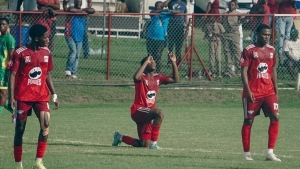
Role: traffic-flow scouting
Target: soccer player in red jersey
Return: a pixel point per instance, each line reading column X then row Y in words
column 260, row 90
column 143, row 110
column 29, row 86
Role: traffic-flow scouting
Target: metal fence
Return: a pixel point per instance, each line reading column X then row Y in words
column 208, row 48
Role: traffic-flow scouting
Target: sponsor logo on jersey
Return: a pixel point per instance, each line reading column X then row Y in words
column 34, row 76
column 27, row 59
column 255, row 55
column 46, row 58
column 10, row 63
column 262, row 71
column 151, row 95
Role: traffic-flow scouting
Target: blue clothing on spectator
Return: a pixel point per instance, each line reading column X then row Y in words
column 181, row 6
column 78, row 26
column 298, row 4
column 158, row 26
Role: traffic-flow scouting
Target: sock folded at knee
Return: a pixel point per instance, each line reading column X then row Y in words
column 18, row 153
column 273, row 134
column 155, row 133
column 41, row 149
column 246, row 133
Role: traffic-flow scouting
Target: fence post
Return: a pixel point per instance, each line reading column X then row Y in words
column 20, row 29
column 273, row 29
column 108, row 46
column 192, row 45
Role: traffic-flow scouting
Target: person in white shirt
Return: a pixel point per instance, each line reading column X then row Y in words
column 292, row 53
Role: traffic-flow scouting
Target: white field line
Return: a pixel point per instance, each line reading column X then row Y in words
column 168, row 149
column 217, row 88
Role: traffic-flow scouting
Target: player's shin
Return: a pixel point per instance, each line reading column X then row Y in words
column 18, row 154
column 246, row 133
column 130, row 141
column 154, row 134
column 273, row 134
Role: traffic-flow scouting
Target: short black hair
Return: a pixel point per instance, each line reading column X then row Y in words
column 144, row 60
column 37, row 30
column 157, row 2
column 4, row 19
column 261, row 27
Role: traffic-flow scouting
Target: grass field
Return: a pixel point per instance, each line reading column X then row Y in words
column 201, row 130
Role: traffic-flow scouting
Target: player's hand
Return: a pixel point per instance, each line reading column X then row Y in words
column 150, row 59
column 55, row 100
column 250, row 96
column 172, row 57
column 12, row 103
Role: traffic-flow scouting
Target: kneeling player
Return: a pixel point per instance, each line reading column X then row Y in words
column 147, row 117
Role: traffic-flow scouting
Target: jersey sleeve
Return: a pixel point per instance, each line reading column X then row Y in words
column 50, row 63
column 163, row 79
column 11, row 43
column 14, row 62
column 245, row 58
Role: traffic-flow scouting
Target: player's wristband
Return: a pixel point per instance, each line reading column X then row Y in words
column 54, row 98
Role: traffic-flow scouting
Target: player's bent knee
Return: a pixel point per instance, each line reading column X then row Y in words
column 248, row 121
column 160, row 114
column 44, row 120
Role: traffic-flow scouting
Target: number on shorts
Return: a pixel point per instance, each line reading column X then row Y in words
column 275, row 106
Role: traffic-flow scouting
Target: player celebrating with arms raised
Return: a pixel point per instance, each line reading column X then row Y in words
column 29, row 86
column 143, row 110
column 260, row 90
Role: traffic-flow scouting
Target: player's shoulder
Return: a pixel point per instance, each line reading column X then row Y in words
column 45, row 49
column 249, row 47
column 270, row 47
column 21, row 50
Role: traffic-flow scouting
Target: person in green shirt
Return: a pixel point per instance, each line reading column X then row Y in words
column 7, row 47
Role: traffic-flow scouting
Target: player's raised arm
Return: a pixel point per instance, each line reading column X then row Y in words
column 137, row 76
column 175, row 76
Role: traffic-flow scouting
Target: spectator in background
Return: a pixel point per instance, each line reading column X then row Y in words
column 231, row 40
column 292, row 52
column 121, row 6
column 240, row 28
column 86, row 4
column 213, row 7
column 285, row 24
column 260, row 8
column 213, row 31
column 74, row 34
column 157, row 33
column 48, row 7
column 28, row 5
column 176, row 26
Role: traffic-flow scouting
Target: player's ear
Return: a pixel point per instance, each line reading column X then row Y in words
column 36, row 39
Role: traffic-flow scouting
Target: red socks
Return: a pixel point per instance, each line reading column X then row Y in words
column 128, row 140
column 273, row 134
column 155, row 132
column 18, row 153
column 41, row 149
column 246, row 132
